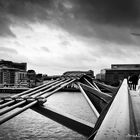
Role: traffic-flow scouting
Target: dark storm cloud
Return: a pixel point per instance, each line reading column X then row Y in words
column 22, row 10
column 88, row 18
column 26, row 9
column 4, row 27
column 111, row 20
column 117, row 12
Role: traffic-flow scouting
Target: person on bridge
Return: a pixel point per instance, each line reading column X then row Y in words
column 134, row 79
column 129, row 82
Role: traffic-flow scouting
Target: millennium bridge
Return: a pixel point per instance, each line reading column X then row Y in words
column 116, row 108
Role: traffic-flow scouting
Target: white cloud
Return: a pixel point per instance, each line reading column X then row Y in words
column 50, row 49
column 65, row 51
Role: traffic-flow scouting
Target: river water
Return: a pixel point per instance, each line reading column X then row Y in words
column 30, row 125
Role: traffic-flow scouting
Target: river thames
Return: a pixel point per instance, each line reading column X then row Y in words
column 30, row 125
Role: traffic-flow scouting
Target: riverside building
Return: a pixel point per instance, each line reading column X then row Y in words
column 12, row 74
column 118, row 72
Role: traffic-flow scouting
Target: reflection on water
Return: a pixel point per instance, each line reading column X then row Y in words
column 31, row 125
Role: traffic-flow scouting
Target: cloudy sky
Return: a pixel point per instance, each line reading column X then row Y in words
column 54, row 36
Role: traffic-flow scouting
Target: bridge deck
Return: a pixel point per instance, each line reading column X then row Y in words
column 135, row 97
column 124, row 115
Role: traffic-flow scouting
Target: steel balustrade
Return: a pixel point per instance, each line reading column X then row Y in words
column 26, row 92
column 32, row 100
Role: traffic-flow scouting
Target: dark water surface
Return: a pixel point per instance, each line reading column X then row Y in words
column 30, row 125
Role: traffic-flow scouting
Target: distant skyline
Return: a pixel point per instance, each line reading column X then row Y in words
column 54, row 36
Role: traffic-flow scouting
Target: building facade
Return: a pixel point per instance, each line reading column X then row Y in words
column 31, row 78
column 21, row 79
column 126, row 66
column 89, row 73
column 118, row 72
column 7, row 76
column 11, row 73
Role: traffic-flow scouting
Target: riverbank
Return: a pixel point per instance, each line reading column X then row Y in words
column 19, row 90
column 12, row 90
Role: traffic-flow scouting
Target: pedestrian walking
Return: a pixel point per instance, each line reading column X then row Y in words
column 129, row 82
column 134, row 79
